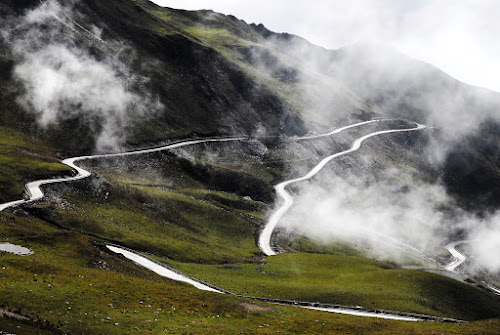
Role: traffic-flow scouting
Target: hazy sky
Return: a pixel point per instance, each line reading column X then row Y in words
column 462, row 37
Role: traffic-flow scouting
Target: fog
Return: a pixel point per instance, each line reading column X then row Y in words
column 485, row 242
column 394, row 216
column 63, row 78
column 399, row 205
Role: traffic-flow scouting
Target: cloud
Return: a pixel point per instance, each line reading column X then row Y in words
column 485, row 242
column 396, row 207
column 394, row 214
column 63, row 80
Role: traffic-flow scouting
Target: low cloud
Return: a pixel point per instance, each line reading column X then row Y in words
column 393, row 207
column 396, row 207
column 394, row 214
column 62, row 79
column 485, row 243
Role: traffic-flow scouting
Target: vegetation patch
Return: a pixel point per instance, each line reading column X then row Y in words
column 160, row 221
column 22, row 159
column 349, row 280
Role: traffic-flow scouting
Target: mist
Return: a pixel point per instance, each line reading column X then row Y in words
column 397, row 211
column 485, row 243
column 344, row 209
column 394, row 216
column 69, row 72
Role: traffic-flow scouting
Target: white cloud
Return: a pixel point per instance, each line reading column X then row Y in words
column 398, row 208
column 485, row 242
column 62, row 80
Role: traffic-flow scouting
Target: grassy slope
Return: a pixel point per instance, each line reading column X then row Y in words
column 186, row 222
column 175, row 216
column 265, row 64
column 246, row 93
column 23, row 158
column 85, row 289
column 190, row 214
column 174, row 224
column 218, row 97
column 350, row 280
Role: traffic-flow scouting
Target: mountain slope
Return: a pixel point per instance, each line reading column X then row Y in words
column 464, row 145
column 230, row 93
column 254, row 81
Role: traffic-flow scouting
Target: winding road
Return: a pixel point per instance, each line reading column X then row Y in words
column 458, row 258
column 267, row 232
column 35, row 193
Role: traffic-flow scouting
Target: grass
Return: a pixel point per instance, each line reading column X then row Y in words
column 216, row 37
column 211, row 235
column 23, row 158
column 164, row 221
column 349, row 280
column 230, row 202
column 87, row 290
column 185, row 221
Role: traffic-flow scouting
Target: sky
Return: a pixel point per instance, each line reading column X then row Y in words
column 461, row 37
